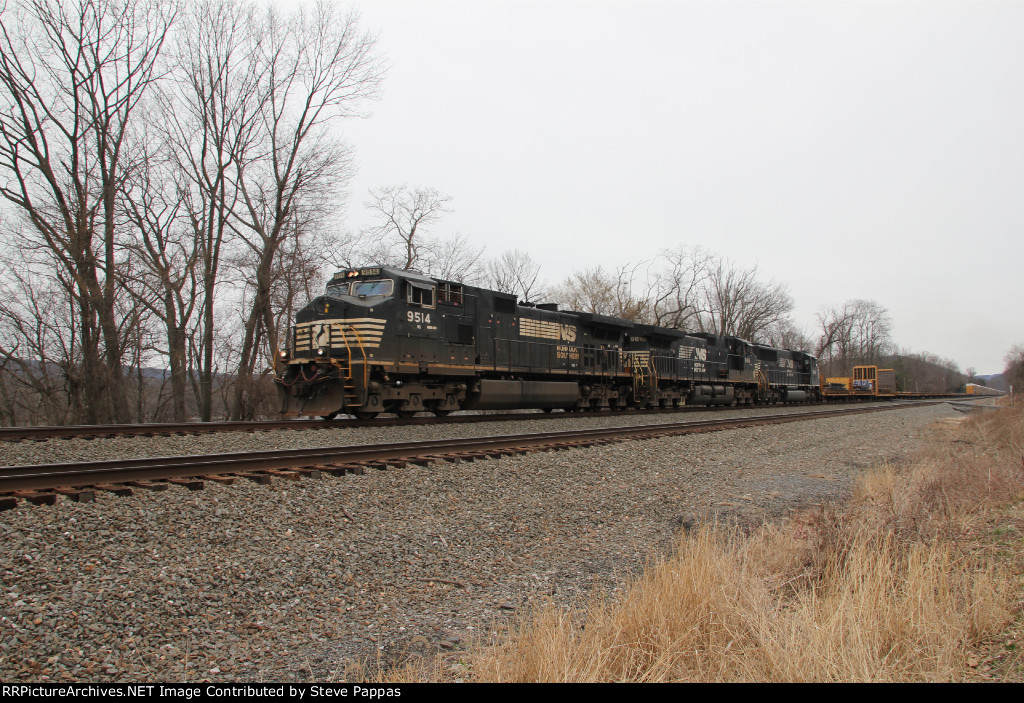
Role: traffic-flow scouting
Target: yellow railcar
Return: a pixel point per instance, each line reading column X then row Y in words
column 978, row 389
column 867, row 381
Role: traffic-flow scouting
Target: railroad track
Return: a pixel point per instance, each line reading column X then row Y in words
column 42, row 433
column 42, row 484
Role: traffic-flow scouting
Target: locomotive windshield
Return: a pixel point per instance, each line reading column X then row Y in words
column 368, row 289
column 361, row 289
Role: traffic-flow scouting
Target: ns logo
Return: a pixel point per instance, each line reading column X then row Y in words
column 567, row 333
column 321, row 334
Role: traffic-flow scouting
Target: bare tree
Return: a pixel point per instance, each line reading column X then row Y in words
column 1014, row 372
column 40, row 352
column 314, row 69
column 672, row 296
column 350, row 249
column 856, row 332
column 211, row 109
column 455, row 258
column 516, row 272
column 678, row 289
column 607, row 293
column 737, row 302
column 166, row 280
column 405, row 217
column 71, row 77
column 784, row 334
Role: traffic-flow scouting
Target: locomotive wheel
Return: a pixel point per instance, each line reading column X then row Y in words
column 405, row 413
column 442, row 413
column 366, row 414
column 329, row 417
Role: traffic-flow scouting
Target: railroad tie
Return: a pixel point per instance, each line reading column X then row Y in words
column 332, row 469
column 149, row 485
column 189, row 483
column 287, row 475
column 224, row 480
column 38, row 498
column 257, row 478
column 342, row 469
column 79, row 495
column 116, row 489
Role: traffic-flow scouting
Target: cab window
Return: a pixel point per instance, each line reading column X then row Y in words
column 336, row 290
column 420, row 294
column 369, row 289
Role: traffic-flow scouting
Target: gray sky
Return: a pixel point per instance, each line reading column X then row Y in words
column 851, row 150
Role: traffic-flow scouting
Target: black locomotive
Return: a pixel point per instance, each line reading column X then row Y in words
column 388, row 340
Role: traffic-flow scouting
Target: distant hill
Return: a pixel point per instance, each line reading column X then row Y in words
column 995, row 380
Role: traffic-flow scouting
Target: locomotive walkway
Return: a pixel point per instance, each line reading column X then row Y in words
column 41, row 484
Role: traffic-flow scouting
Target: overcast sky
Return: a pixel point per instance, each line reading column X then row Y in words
column 848, row 149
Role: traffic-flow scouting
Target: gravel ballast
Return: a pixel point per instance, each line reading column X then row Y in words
column 303, row 580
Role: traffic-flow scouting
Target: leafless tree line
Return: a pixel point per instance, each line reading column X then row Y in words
column 1014, row 372
column 170, row 172
column 685, row 288
column 856, row 332
column 172, row 177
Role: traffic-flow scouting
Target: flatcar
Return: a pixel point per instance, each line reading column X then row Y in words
column 389, row 340
column 867, row 381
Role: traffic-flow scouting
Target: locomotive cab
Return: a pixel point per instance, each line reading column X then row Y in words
column 351, row 315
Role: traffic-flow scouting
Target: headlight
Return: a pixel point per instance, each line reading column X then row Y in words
column 282, row 356
column 321, row 352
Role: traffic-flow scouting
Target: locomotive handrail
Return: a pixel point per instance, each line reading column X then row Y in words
column 348, row 353
column 762, row 382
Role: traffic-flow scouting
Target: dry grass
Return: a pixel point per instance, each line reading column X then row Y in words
column 904, row 584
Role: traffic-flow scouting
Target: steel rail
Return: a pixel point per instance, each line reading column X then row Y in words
column 47, row 432
column 70, row 475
